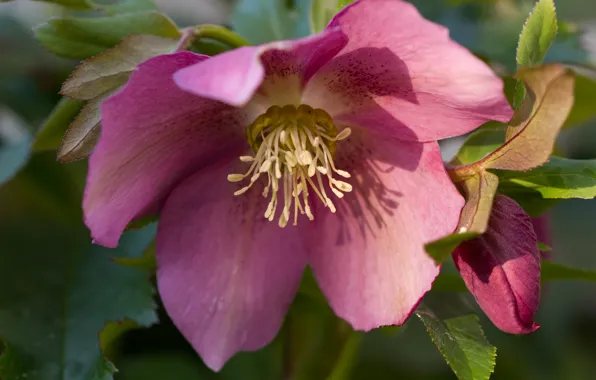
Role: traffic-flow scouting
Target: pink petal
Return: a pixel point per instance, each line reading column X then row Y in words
column 402, row 75
column 235, row 76
column 502, row 268
column 369, row 257
column 226, row 275
column 153, row 134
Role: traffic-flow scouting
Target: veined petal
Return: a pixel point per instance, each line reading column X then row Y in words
column 225, row 274
column 403, row 76
column 276, row 71
column 153, row 134
column 369, row 257
column 502, row 268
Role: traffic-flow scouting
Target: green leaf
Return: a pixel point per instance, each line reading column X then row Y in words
column 124, row 6
column 82, row 135
column 86, row 37
column 321, row 12
column 449, row 282
column 458, row 335
column 551, row 271
column 73, row 4
column 111, row 69
column 343, row 3
column 537, row 35
column 441, row 249
column 108, row 337
column 171, row 365
column 543, row 247
column 583, row 108
column 560, row 178
column 98, row 78
column 57, row 290
column 531, row 134
column 50, row 134
column 261, row 21
column 13, row 363
column 318, row 344
column 146, row 261
column 479, row 144
column 13, row 155
column 531, row 200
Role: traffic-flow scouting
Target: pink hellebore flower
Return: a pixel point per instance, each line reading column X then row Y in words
column 339, row 128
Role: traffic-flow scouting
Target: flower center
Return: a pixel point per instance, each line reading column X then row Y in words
column 294, row 147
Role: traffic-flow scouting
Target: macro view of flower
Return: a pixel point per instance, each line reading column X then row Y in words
column 283, row 197
column 339, row 129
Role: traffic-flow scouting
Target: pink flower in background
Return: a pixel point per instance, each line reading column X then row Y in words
column 334, row 135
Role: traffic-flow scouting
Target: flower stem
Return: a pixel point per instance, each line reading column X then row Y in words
column 213, row 32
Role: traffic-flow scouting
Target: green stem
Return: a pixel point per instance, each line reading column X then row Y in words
column 345, row 361
column 213, row 32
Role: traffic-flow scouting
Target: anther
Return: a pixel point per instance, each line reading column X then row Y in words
column 294, row 147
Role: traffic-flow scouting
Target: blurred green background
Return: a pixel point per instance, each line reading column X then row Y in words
column 57, row 290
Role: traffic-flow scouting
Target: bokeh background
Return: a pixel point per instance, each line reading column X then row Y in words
column 48, row 265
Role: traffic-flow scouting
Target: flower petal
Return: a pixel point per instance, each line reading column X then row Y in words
column 369, row 257
column 226, row 275
column 402, row 75
column 153, row 134
column 502, row 268
column 235, row 76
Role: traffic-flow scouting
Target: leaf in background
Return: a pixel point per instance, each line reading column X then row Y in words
column 555, row 272
column 449, row 282
column 440, row 249
column 15, row 144
column 98, row 78
column 124, row 6
column 13, row 156
column 261, row 21
column 318, row 345
column 537, row 35
column 57, row 290
column 50, row 134
column 585, row 87
column 147, row 261
column 480, row 143
column 112, row 68
column 558, row 178
column 479, row 191
column 457, row 333
column 74, row 4
column 321, row 12
column 166, row 365
column 534, row 127
column 530, row 200
column 109, row 336
column 86, row 37
column 543, row 247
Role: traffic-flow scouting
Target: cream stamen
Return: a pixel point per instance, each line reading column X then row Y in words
column 292, row 146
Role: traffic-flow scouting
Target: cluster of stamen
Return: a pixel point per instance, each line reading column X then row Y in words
column 294, row 147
